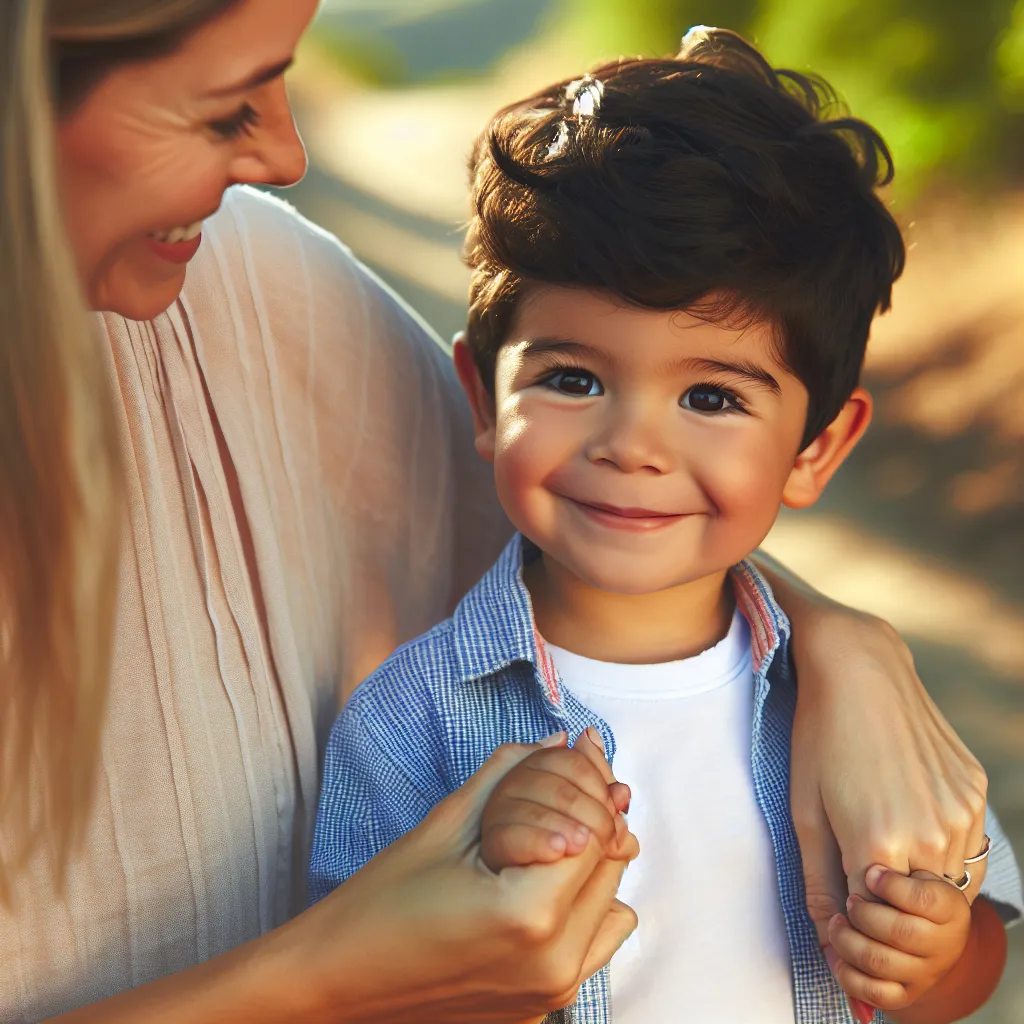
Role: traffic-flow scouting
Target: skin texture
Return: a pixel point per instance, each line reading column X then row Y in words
column 599, row 404
column 147, row 150
column 924, row 955
column 142, row 153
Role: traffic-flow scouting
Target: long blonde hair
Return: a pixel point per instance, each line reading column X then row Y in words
column 60, row 473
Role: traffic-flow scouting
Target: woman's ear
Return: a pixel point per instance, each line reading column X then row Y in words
column 815, row 465
column 481, row 401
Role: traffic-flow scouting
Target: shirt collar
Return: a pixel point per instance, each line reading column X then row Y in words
column 494, row 625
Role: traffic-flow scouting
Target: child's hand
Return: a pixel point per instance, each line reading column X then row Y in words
column 892, row 953
column 551, row 804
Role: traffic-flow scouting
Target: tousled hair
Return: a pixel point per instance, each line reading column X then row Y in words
column 61, row 481
column 711, row 183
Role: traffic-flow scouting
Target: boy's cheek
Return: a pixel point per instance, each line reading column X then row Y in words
column 747, row 496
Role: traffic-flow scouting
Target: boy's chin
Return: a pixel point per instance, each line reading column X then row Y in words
column 630, row 578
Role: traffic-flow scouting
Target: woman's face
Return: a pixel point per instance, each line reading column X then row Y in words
column 148, row 154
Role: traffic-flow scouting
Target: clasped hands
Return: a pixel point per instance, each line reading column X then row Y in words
column 887, row 951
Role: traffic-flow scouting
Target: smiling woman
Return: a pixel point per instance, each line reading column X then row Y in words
column 235, row 473
column 56, row 432
column 147, row 153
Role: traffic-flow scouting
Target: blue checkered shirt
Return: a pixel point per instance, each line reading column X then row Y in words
column 429, row 717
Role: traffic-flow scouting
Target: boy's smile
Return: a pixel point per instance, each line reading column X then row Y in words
column 642, row 450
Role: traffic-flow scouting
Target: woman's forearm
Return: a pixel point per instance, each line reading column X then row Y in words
column 876, row 771
column 263, row 981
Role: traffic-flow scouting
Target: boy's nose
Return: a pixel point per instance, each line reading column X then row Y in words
column 632, row 443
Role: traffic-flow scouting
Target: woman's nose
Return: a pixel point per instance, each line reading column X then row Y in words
column 284, row 156
column 276, row 155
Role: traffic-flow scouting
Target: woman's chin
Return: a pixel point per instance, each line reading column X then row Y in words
column 136, row 298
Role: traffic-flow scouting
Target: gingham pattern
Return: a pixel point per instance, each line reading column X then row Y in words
column 429, row 717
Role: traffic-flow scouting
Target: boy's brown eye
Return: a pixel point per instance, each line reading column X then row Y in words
column 705, row 399
column 576, row 382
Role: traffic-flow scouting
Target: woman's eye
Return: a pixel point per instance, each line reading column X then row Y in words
column 703, row 398
column 239, row 123
column 576, row 382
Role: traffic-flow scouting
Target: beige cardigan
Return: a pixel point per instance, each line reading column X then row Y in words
column 369, row 514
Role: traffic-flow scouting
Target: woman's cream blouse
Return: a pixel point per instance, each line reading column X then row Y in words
column 369, row 514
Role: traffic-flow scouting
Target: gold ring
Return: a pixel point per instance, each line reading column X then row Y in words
column 982, row 855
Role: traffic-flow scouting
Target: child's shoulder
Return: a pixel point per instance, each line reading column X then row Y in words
column 423, row 665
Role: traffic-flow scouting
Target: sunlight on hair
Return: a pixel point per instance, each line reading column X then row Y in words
column 586, row 94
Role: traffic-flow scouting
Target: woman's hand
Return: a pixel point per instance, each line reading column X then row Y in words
column 426, row 932
column 878, row 775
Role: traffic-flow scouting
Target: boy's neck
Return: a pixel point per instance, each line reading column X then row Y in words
column 628, row 629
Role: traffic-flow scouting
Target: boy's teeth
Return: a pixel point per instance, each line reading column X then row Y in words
column 179, row 234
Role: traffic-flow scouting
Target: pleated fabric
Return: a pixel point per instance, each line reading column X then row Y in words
column 290, row 397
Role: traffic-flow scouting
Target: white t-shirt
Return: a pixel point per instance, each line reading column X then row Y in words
column 711, row 945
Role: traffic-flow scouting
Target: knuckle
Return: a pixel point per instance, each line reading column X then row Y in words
column 534, row 929
column 508, row 755
column 888, row 849
column 876, row 961
column 962, row 817
column 565, row 795
column 904, row 930
column 560, row 985
column 925, row 897
column 878, row 994
column 821, row 904
column 933, row 843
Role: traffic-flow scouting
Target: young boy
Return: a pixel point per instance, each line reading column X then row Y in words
column 675, row 266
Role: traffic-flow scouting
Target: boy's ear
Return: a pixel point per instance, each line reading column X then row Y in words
column 481, row 401
column 815, row 465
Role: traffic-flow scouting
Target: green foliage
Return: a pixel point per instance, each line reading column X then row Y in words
column 943, row 80
column 369, row 57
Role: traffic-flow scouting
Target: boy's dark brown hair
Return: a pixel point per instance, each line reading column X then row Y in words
column 711, row 183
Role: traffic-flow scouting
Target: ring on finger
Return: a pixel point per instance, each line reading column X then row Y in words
column 962, row 882
column 980, row 856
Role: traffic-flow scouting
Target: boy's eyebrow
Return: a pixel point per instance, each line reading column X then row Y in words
column 739, row 368
column 563, row 346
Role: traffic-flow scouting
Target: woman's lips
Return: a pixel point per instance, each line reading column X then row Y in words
column 634, row 519
column 175, row 252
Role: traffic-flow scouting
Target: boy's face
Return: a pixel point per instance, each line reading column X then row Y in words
column 642, row 450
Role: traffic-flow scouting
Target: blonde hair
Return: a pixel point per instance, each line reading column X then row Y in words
column 60, row 474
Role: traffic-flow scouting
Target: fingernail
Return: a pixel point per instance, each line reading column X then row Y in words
column 595, row 737
column 554, row 740
column 558, row 842
column 582, row 834
column 875, row 875
column 864, row 1013
column 834, row 920
column 851, row 900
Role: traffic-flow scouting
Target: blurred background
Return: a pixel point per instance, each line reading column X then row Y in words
column 925, row 524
